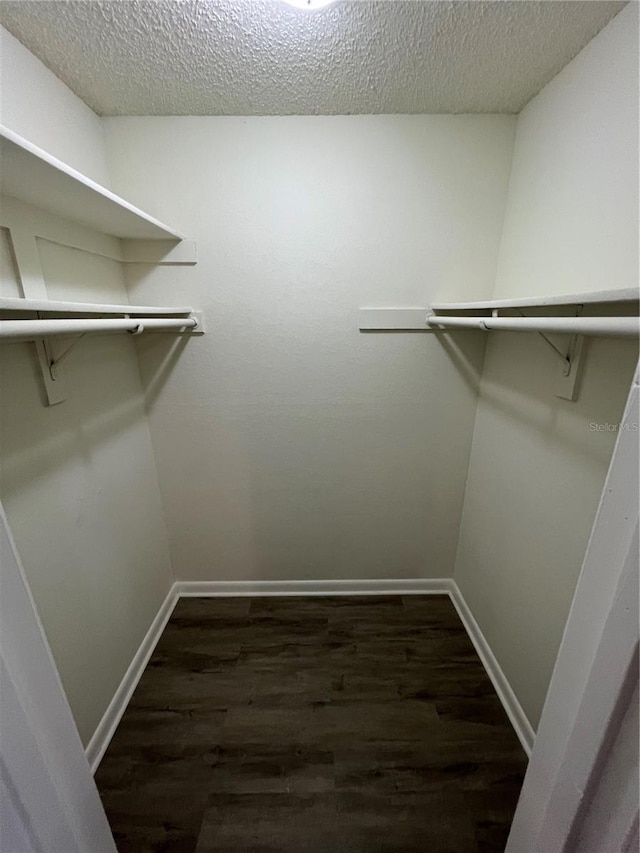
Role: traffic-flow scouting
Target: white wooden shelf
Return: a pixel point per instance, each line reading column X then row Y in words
column 9, row 303
column 32, row 175
column 425, row 320
column 442, row 317
column 630, row 294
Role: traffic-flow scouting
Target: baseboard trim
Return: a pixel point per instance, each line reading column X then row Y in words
column 107, row 726
column 519, row 720
column 410, row 586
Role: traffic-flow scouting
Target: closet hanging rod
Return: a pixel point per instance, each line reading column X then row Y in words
column 36, row 329
column 617, row 327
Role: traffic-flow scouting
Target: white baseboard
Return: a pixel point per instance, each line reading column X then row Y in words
column 411, row 586
column 519, row 720
column 107, row 726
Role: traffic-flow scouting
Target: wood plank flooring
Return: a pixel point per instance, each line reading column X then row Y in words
column 303, row 725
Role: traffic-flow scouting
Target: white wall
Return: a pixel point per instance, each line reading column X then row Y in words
column 537, row 466
column 613, row 805
column 79, row 484
column 38, row 106
column 572, row 210
column 48, row 799
column 78, row 480
column 289, row 445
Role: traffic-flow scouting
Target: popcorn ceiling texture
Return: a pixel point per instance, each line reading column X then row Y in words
column 263, row 57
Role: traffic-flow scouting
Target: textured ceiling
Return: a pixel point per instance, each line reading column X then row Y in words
column 257, row 57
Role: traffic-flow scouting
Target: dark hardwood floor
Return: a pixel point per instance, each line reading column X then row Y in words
column 304, row 725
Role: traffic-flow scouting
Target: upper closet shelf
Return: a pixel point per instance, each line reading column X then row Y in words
column 487, row 316
column 17, row 303
column 487, row 319
column 428, row 317
column 629, row 294
column 36, row 177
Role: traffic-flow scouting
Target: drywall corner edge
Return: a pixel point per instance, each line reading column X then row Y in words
column 519, row 720
column 107, row 726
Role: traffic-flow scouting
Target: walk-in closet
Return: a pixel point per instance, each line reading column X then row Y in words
column 319, row 426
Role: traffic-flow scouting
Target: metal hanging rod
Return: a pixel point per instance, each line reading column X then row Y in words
column 616, row 327
column 36, row 329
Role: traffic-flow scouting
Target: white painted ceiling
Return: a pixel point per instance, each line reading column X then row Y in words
column 263, row 57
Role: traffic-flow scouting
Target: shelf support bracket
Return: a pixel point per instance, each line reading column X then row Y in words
column 567, row 382
column 55, row 361
column 564, row 357
column 54, row 384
